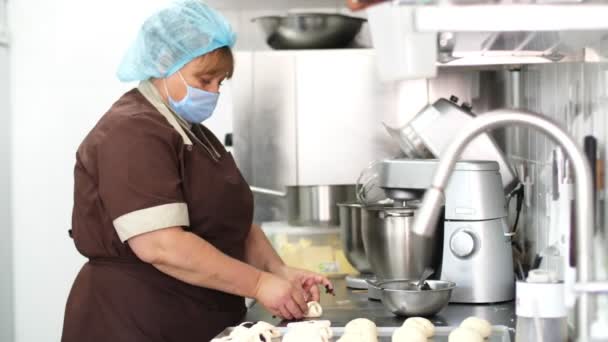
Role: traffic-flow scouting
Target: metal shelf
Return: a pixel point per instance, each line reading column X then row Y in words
column 505, row 18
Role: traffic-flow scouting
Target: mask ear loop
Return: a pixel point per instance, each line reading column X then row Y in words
column 167, row 88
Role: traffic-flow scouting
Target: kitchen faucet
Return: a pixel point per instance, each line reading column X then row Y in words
column 426, row 221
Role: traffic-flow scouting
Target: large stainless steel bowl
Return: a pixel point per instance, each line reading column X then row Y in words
column 352, row 236
column 310, row 30
column 316, row 205
column 392, row 248
column 403, row 298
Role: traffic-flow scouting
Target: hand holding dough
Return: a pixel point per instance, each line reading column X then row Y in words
column 409, row 333
column 483, row 327
column 423, row 324
column 464, row 335
column 314, row 310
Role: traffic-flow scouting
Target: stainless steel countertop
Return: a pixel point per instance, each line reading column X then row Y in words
column 350, row 304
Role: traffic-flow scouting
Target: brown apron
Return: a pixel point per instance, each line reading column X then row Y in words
column 116, row 297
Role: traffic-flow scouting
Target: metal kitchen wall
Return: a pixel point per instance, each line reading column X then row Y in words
column 306, row 118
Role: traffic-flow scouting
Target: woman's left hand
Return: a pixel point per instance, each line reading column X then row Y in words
column 309, row 281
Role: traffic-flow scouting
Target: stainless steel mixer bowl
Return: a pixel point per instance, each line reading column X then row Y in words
column 310, row 30
column 403, row 298
column 351, row 236
column 392, row 248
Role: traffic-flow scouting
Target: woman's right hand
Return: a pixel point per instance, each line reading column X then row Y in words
column 281, row 297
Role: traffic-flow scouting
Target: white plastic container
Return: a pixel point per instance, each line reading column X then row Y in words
column 403, row 52
column 540, row 308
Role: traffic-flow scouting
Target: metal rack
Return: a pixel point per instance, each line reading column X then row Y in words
column 410, row 38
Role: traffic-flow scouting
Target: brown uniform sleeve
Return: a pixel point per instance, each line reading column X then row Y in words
column 139, row 177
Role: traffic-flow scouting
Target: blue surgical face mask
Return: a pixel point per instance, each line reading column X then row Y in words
column 197, row 106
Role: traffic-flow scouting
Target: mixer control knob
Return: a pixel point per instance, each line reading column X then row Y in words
column 462, row 244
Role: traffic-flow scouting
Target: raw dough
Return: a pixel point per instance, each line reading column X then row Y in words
column 246, row 337
column 426, row 326
column 264, row 327
column 360, row 330
column 324, row 327
column 409, row 333
column 361, row 325
column 250, row 332
column 483, row 327
column 316, row 323
column 304, row 335
column 314, row 310
column 356, row 337
column 464, row 335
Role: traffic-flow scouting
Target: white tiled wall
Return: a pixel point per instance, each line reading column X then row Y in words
column 574, row 95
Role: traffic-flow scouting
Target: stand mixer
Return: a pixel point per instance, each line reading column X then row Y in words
column 477, row 253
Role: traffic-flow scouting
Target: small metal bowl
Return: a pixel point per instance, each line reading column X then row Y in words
column 404, row 299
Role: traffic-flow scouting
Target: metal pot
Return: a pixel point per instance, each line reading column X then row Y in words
column 351, row 236
column 310, row 30
column 392, row 248
column 313, row 205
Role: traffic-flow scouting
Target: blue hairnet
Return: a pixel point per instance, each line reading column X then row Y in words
column 173, row 37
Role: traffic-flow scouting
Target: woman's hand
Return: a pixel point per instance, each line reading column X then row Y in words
column 281, row 297
column 309, row 281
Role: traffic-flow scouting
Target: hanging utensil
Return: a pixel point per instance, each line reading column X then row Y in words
column 590, row 147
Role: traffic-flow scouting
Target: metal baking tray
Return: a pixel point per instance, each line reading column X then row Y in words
column 499, row 334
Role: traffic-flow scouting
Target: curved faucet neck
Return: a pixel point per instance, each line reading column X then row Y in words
column 426, row 220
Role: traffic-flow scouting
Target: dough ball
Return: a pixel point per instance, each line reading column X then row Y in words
column 316, row 323
column 464, row 335
column 357, row 337
column 314, row 310
column 361, row 326
column 409, row 333
column 304, row 335
column 240, row 332
column 360, row 330
column 426, row 326
column 483, row 327
column 324, row 327
column 253, row 332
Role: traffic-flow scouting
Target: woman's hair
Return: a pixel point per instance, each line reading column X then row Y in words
column 218, row 62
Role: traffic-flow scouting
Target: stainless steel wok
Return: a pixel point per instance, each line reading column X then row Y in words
column 310, row 30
